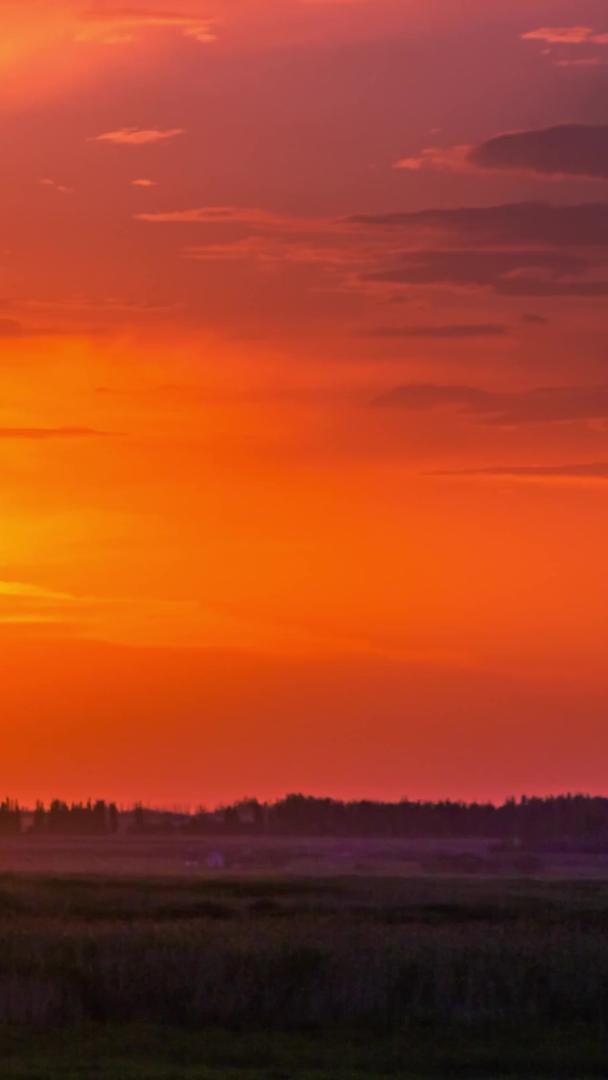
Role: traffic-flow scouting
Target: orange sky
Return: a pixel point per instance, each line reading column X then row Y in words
column 304, row 432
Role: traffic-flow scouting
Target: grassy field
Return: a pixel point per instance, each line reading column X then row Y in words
column 294, row 977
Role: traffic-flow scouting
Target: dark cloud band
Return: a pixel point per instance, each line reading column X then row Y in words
column 569, row 150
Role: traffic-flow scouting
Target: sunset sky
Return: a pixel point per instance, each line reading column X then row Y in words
column 304, row 428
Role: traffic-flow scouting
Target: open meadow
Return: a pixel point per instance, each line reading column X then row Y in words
column 261, row 976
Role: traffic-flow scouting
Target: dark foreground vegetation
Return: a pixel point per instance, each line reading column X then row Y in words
column 346, row 977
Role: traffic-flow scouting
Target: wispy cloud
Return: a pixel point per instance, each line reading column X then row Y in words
column 595, row 470
column 247, row 216
column 144, row 183
column 27, row 603
column 23, row 603
column 51, row 433
column 566, row 35
column 581, row 62
column 511, row 273
column 560, row 151
column 554, row 404
column 27, row 591
column 263, row 236
column 524, row 224
column 450, row 332
column 436, row 157
column 133, row 136
column 270, row 251
column 119, row 27
column 515, row 249
column 61, row 188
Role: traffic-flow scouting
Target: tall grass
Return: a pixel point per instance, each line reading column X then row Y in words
column 278, row 956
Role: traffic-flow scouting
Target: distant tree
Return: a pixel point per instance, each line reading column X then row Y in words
column 40, row 818
column 259, row 817
column 58, row 820
column 232, row 820
column 98, row 818
column 113, row 819
column 10, row 818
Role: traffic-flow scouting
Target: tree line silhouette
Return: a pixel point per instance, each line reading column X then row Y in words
column 555, row 820
column 89, row 819
column 60, row 818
